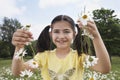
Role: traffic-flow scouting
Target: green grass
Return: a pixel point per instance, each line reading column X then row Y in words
column 115, row 63
column 5, row 63
column 8, row 62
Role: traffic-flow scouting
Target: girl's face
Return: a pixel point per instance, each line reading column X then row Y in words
column 62, row 34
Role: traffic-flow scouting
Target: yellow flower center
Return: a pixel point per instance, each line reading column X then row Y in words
column 85, row 16
column 34, row 63
column 90, row 59
column 91, row 78
column 26, row 76
column 27, row 26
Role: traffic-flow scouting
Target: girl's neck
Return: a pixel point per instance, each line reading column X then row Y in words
column 62, row 51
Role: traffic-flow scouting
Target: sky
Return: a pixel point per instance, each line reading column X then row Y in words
column 39, row 13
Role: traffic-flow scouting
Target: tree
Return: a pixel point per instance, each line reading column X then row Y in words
column 109, row 28
column 7, row 29
column 4, row 49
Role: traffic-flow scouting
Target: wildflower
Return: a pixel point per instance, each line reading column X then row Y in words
column 86, row 33
column 90, row 61
column 84, row 18
column 33, row 64
column 21, row 53
column 24, row 52
column 27, row 27
column 26, row 73
column 91, row 78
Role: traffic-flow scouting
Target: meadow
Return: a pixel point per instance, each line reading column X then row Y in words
column 114, row 74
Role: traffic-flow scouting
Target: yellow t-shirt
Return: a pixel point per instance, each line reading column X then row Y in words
column 54, row 68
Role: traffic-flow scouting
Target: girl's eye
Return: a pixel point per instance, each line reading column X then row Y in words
column 64, row 31
column 56, row 31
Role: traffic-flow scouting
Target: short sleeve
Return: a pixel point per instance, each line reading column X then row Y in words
column 41, row 59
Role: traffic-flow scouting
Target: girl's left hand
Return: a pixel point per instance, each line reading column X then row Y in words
column 90, row 27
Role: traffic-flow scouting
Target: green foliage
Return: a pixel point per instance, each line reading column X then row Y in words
column 29, row 49
column 109, row 28
column 7, row 29
column 4, row 49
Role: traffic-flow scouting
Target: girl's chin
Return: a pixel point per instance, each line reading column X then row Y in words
column 62, row 46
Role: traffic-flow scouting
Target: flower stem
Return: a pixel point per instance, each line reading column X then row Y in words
column 32, row 50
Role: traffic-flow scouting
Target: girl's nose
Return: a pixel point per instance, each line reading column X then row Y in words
column 61, row 35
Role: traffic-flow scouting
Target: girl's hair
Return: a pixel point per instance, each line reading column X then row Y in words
column 45, row 43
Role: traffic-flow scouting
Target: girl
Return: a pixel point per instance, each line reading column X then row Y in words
column 56, row 59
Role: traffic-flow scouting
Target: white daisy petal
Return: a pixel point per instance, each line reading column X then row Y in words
column 26, row 73
column 24, row 52
column 84, row 18
column 18, row 53
column 90, row 61
column 33, row 64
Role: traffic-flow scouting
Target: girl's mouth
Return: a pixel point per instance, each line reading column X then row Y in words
column 61, row 41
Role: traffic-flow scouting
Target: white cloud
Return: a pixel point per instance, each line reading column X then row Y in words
column 8, row 8
column 48, row 3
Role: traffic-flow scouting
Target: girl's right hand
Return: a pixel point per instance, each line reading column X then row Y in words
column 21, row 37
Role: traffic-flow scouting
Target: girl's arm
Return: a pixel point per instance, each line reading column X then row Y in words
column 19, row 39
column 19, row 65
column 103, row 65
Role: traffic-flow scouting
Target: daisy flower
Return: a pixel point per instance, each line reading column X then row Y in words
column 86, row 33
column 19, row 53
column 90, row 61
column 27, row 27
column 84, row 18
column 33, row 64
column 24, row 52
column 92, row 76
column 26, row 73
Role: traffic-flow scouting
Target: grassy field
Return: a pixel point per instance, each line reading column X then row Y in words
column 5, row 63
column 115, row 63
column 115, row 66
